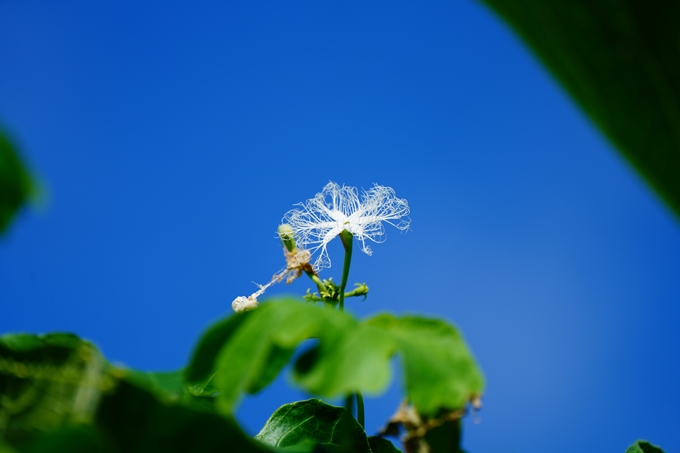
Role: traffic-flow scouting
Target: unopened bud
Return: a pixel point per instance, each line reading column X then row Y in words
column 287, row 236
column 242, row 303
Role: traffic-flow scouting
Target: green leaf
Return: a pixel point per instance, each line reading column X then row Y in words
column 444, row 438
column 168, row 384
column 642, row 446
column 381, row 445
column 314, row 422
column 58, row 394
column 23, row 342
column 47, row 381
column 16, row 186
column 5, row 448
column 137, row 422
column 200, row 370
column 78, row 439
column 619, row 60
column 439, row 369
column 349, row 356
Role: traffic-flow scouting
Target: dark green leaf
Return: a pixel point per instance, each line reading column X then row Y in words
column 314, row 422
column 79, row 439
column 135, row 421
column 619, row 59
column 444, row 438
column 350, row 356
column 642, row 446
column 380, row 445
column 169, row 384
column 6, row 448
column 47, row 381
column 15, row 184
column 58, row 394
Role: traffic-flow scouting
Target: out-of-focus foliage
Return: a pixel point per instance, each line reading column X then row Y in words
column 620, row 60
column 16, row 186
column 57, row 393
column 47, row 382
column 348, row 355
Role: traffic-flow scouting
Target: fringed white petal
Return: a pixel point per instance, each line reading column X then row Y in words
column 336, row 208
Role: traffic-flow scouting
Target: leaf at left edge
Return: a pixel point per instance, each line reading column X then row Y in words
column 44, row 372
column 112, row 411
column 313, row 422
column 16, row 186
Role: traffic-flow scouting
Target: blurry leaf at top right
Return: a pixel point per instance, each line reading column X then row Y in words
column 620, row 61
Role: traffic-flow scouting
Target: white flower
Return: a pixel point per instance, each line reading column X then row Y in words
column 336, row 208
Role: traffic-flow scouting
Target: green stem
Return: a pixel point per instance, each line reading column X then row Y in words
column 349, row 404
column 347, row 239
column 360, row 408
column 315, row 278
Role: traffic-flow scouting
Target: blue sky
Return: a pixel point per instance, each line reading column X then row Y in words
column 172, row 137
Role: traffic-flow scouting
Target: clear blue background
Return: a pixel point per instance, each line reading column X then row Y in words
column 171, row 138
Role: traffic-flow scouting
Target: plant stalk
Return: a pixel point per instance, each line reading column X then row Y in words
column 347, row 240
column 360, row 409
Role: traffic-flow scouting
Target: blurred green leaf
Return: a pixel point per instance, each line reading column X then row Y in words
column 619, row 60
column 136, row 421
column 642, row 446
column 74, row 439
column 169, row 384
column 46, row 382
column 5, row 448
column 349, row 356
column 314, row 422
column 380, row 445
column 15, row 184
column 438, row 367
column 444, row 438
column 58, row 394
column 200, row 370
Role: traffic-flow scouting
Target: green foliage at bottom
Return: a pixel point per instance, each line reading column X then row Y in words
column 58, row 394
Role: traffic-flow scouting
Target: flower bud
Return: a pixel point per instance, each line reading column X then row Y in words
column 287, row 236
column 242, row 303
